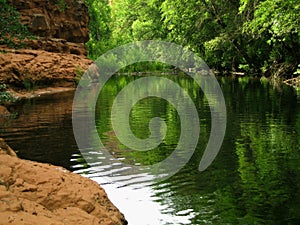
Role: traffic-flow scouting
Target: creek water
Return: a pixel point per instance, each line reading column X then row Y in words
column 255, row 178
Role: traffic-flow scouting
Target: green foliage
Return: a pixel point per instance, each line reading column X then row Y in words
column 137, row 20
column 279, row 18
column 298, row 70
column 145, row 67
column 249, row 35
column 62, row 5
column 78, row 74
column 12, row 32
column 100, row 33
column 275, row 25
column 4, row 95
column 29, row 82
column 123, row 22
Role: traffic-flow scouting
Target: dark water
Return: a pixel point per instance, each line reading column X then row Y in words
column 255, row 178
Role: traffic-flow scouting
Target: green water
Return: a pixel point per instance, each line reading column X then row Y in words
column 255, row 178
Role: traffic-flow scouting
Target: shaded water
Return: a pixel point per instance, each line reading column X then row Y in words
column 255, row 178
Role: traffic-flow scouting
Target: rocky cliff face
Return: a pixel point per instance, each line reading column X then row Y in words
column 57, row 54
column 60, row 25
column 63, row 19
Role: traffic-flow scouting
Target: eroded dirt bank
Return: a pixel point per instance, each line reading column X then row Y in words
column 36, row 193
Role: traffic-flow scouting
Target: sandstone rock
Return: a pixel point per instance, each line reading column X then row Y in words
column 65, row 19
column 40, row 68
column 56, row 45
column 5, row 149
column 57, row 55
column 35, row 193
column 4, row 111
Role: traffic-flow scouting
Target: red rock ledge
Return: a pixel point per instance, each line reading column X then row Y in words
column 36, row 193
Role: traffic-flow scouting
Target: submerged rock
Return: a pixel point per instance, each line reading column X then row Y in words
column 36, row 193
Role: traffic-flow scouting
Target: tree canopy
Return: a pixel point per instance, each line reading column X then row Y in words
column 254, row 36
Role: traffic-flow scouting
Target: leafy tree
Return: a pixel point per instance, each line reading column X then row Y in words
column 256, row 36
column 100, row 32
column 136, row 20
column 277, row 23
column 205, row 27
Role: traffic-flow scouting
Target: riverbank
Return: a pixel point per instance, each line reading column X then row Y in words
column 51, row 62
column 36, row 193
column 23, row 94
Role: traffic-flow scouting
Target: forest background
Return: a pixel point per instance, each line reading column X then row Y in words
column 257, row 37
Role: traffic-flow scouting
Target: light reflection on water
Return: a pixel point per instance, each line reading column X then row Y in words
column 140, row 205
column 254, row 180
